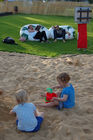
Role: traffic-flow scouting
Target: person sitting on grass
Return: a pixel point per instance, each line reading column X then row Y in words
column 59, row 33
column 28, row 118
column 65, row 98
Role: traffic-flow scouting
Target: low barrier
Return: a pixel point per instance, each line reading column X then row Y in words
column 47, row 8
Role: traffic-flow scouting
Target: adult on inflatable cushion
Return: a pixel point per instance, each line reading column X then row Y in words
column 67, row 28
column 25, row 33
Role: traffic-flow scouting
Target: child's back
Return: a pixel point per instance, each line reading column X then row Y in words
column 70, row 92
column 26, row 117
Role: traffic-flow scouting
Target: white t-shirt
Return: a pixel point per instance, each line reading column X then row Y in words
column 25, row 115
column 31, row 35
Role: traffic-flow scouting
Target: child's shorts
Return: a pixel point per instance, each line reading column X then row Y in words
column 37, row 128
column 60, row 106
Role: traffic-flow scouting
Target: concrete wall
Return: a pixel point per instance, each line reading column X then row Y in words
column 47, row 8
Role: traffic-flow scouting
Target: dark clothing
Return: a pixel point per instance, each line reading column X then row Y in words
column 41, row 36
column 39, row 122
column 59, row 33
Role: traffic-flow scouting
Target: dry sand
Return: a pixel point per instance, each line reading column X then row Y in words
column 35, row 74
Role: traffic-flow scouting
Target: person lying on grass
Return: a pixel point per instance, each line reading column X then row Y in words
column 35, row 34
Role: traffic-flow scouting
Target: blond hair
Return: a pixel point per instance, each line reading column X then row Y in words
column 64, row 77
column 21, row 96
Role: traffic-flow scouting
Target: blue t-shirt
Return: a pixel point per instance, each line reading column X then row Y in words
column 70, row 92
column 25, row 115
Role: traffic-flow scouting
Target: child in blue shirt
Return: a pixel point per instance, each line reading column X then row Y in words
column 28, row 118
column 65, row 98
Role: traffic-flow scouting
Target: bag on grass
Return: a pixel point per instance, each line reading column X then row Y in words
column 9, row 40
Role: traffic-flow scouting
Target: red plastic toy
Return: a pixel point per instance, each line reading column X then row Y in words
column 49, row 95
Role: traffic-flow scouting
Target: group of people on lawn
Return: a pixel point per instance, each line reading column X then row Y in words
column 41, row 35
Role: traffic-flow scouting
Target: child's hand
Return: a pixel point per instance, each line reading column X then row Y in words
column 12, row 113
column 43, row 95
column 54, row 99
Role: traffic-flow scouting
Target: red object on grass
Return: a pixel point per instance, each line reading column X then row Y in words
column 49, row 96
column 82, row 36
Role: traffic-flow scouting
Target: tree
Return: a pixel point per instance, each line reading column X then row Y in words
column 90, row 1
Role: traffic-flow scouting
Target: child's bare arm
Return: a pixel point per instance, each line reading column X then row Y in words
column 37, row 113
column 61, row 99
column 57, row 87
column 58, row 94
column 12, row 113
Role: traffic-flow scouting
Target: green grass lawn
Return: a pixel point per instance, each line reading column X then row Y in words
column 10, row 26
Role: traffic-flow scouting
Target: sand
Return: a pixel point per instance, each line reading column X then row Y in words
column 35, row 74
